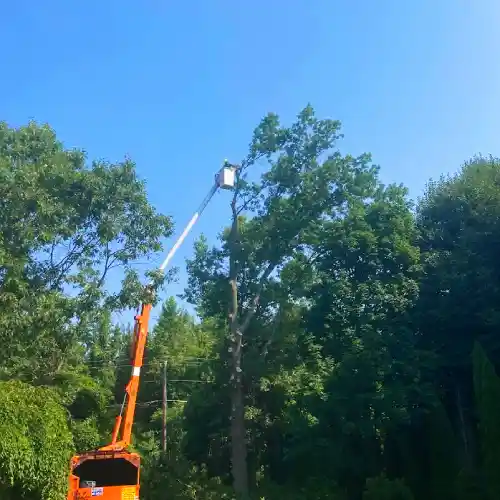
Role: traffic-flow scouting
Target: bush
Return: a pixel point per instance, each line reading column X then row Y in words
column 85, row 434
column 382, row 488
column 35, row 445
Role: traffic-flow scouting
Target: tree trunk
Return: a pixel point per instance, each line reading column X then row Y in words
column 238, row 326
column 238, row 437
column 463, row 402
column 462, row 425
column 238, row 434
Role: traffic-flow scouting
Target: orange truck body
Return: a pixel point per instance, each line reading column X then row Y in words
column 115, row 476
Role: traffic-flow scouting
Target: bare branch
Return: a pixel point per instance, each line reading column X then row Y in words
column 256, row 300
column 52, row 250
column 109, row 255
column 269, row 341
column 247, row 202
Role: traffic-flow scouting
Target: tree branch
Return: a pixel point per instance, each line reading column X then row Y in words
column 233, row 272
column 107, row 266
column 256, row 300
column 247, row 202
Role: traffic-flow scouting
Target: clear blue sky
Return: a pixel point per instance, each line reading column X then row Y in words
column 179, row 86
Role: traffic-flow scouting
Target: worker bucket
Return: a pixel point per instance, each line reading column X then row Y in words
column 226, row 178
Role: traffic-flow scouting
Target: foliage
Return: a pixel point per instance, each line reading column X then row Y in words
column 328, row 243
column 487, row 385
column 333, row 351
column 458, row 225
column 85, row 434
column 64, row 227
column 36, row 443
column 382, row 488
column 444, row 466
column 458, row 219
column 470, row 486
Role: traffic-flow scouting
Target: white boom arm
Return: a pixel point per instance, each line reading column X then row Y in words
column 223, row 180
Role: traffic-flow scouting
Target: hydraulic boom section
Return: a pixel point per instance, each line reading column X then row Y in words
column 112, row 472
column 129, row 402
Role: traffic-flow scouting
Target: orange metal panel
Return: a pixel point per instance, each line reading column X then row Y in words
column 121, row 492
column 107, row 493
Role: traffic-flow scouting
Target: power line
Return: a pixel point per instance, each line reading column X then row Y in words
column 194, row 381
column 190, row 380
column 149, row 403
column 120, row 363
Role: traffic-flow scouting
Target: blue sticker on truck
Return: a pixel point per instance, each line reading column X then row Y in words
column 97, row 492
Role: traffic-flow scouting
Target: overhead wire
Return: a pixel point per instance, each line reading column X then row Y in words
column 157, row 401
column 150, row 403
column 180, row 380
column 121, row 363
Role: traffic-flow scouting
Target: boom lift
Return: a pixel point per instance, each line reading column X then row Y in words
column 112, row 472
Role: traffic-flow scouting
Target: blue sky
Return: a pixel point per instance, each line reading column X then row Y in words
column 179, row 86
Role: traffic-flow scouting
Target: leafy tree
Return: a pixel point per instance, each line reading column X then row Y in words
column 174, row 474
column 321, row 229
column 186, row 349
column 290, row 196
column 361, row 286
column 382, row 488
column 180, row 346
column 459, row 238
column 64, row 226
column 487, row 389
column 335, row 326
column 443, row 457
column 36, row 443
column 85, row 434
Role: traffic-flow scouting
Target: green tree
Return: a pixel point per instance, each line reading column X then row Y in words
column 487, row 389
column 290, row 196
column 322, row 238
column 359, row 284
column 443, row 459
column 36, row 443
column 335, row 326
column 64, row 226
column 458, row 220
column 183, row 348
column 382, row 488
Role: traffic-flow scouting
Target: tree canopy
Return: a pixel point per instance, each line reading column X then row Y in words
column 345, row 338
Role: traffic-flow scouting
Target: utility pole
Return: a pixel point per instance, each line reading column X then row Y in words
column 164, row 427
